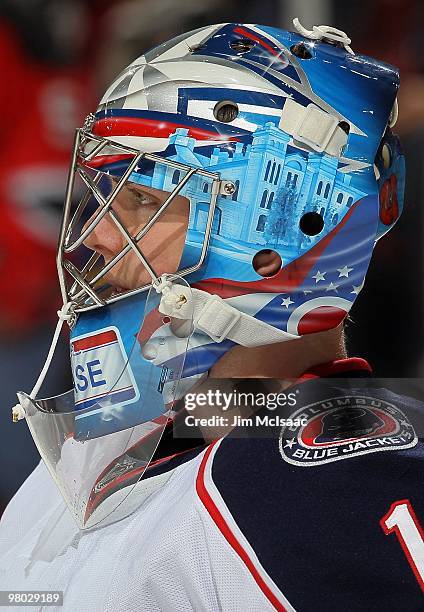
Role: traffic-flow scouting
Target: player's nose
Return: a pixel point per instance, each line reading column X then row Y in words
column 104, row 238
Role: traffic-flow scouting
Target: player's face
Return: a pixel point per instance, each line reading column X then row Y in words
column 162, row 245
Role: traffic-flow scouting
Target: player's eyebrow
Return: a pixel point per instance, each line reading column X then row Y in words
column 136, row 191
column 133, row 190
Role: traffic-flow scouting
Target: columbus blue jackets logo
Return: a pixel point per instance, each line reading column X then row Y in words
column 343, row 427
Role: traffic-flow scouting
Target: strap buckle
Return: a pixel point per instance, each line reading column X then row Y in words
column 217, row 319
column 316, row 128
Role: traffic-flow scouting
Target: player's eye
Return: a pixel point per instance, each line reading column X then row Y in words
column 134, row 197
column 140, row 197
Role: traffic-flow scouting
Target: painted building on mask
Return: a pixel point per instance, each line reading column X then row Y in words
column 307, row 181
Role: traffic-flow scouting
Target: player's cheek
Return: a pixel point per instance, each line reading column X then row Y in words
column 163, row 245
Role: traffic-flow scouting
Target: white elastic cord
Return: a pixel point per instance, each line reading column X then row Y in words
column 64, row 314
column 324, row 32
column 164, row 286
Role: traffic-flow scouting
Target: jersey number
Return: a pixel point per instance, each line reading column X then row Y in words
column 402, row 521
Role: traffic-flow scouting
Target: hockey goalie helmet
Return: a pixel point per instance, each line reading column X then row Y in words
column 276, row 141
column 208, row 150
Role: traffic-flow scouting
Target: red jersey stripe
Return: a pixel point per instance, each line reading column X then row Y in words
column 228, row 534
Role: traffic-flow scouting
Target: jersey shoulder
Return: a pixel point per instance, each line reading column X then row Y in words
column 311, row 498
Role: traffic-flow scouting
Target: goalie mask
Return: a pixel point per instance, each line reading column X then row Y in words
column 206, row 151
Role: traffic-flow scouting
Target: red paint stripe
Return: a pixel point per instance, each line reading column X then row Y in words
column 252, row 36
column 227, row 533
column 161, row 420
column 152, row 128
column 286, row 280
column 95, row 341
column 101, row 160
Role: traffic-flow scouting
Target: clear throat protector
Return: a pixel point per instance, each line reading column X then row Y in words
column 124, row 252
column 99, row 438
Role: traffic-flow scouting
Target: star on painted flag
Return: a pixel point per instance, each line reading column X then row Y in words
column 332, row 287
column 357, row 288
column 344, row 271
column 286, row 302
column 332, row 268
column 319, row 276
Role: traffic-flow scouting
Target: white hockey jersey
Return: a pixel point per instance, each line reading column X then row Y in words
column 304, row 518
column 180, row 551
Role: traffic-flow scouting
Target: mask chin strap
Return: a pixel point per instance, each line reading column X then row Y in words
column 214, row 317
column 64, row 314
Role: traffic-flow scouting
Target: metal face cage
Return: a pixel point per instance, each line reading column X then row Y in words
column 79, row 283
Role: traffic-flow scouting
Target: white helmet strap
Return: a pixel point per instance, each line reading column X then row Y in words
column 216, row 318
